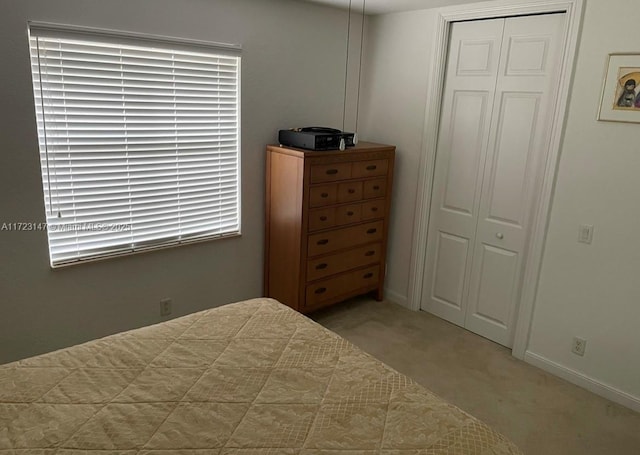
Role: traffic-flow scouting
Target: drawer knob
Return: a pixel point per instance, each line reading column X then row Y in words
column 372, row 231
column 323, row 242
column 352, row 191
column 350, row 213
column 321, row 290
column 321, row 266
column 324, row 195
column 323, row 218
column 374, row 209
column 332, row 172
column 376, row 187
column 373, row 167
column 370, row 253
column 368, row 275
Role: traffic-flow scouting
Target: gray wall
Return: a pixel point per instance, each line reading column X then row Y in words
column 590, row 291
column 286, row 46
column 392, row 110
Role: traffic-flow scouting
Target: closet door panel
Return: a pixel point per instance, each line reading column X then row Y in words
column 464, row 133
column 512, row 158
column 493, row 291
column 518, row 138
column 451, row 266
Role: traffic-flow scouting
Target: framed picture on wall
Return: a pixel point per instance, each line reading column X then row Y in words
column 621, row 93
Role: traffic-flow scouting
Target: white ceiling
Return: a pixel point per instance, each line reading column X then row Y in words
column 391, row 6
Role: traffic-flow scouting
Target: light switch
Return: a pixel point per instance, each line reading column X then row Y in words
column 585, row 233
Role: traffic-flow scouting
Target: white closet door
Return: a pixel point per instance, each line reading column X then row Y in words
column 464, row 133
column 519, row 136
column 505, row 178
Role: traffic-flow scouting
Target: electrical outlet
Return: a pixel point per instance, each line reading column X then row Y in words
column 579, row 346
column 165, row 307
column 585, row 234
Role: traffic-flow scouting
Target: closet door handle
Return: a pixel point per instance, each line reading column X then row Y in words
column 373, row 167
column 320, row 291
column 332, row 172
column 372, row 231
column 321, row 266
column 323, row 242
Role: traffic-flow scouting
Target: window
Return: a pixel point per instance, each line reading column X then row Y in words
column 139, row 141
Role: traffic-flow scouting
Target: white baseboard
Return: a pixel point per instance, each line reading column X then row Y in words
column 396, row 297
column 579, row 379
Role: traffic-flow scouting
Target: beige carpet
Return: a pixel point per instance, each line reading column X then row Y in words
column 541, row 413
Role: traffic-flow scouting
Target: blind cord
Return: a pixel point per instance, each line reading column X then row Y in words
column 364, row 2
column 346, row 69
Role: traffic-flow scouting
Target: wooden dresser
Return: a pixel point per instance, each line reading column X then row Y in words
column 326, row 223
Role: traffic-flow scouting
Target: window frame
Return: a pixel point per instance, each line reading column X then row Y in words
column 146, row 40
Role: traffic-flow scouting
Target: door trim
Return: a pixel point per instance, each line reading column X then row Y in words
column 534, row 253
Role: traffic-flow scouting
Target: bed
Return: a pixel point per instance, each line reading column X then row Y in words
column 248, row 378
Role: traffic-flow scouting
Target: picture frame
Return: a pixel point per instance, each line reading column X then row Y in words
column 620, row 101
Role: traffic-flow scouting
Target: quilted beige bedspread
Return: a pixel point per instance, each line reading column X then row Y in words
column 246, row 379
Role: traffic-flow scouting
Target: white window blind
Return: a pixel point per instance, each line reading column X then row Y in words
column 139, row 142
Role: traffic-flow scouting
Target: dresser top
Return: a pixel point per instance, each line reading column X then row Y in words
column 362, row 147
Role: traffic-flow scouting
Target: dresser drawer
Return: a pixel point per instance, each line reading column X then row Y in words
column 330, row 172
column 323, row 195
column 327, row 242
column 348, row 214
column 375, row 188
column 325, row 218
column 373, row 209
column 369, row 168
column 349, row 191
column 341, row 262
column 344, row 284
column 322, row 219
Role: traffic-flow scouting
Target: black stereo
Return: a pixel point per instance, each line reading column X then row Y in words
column 315, row 138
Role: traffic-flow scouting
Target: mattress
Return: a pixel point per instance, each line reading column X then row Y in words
column 249, row 378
